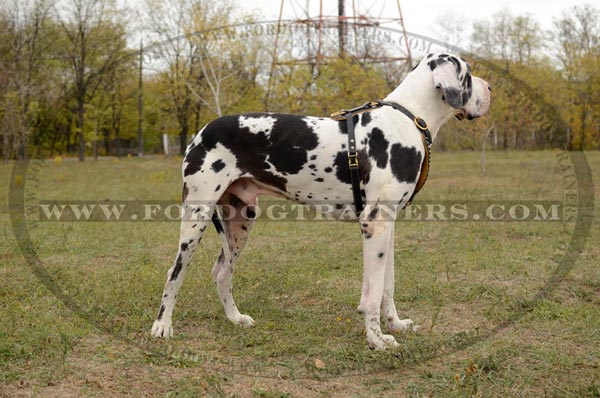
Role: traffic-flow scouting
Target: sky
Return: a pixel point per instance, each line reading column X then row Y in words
column 420, row 15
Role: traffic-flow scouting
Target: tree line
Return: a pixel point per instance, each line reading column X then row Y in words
column 76, row 79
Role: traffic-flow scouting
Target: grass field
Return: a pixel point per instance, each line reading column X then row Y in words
column 468, row 285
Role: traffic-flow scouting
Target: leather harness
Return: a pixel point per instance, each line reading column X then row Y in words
column 347, row 114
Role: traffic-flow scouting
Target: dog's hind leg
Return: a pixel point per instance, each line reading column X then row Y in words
column 195, row 220
column 235, row 228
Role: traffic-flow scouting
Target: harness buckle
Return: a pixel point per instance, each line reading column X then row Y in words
column 352, row 160
column 338, row 115
column 420, row 123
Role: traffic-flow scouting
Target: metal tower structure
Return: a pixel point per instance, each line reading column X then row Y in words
column 308, row 33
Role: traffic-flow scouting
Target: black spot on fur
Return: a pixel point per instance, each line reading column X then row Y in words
column 467, row 88
column 457, row 64
column 217, row 223
column 160, row 313
column 365, row 119
column 405, row 163
column 378, row 147
column 177, row 268
column 319, row 179
column 184, row 247
column 227, row 132
column 244, row 228
column 218, row 165
column 373, row 213
column 453, row 97
column 291, row 138
column 380, row 255
column 363, row 230
column 343, row 172
column 217, row 188
column 313, row 157
column 195, row 160
column 344, row 127
column 328, row 170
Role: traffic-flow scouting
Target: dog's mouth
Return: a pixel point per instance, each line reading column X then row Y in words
column 461, row 115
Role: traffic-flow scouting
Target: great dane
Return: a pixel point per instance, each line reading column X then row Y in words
column 234, row 159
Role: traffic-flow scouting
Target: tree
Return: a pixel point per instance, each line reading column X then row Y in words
column 25, row 39
column 345, row 83
column 507, row 37
column 227, row 59
column 578, row 36
column 514, row 44
column 451, row 29
column 95, row 42
column 167, row 22
column 209, row 67
column 115, row 103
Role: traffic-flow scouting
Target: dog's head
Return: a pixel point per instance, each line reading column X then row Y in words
column 468, row 95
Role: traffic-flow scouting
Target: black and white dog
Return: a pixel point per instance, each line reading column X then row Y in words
column 234, row 159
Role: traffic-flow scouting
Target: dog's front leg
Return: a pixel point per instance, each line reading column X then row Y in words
column 376, row 232
column 388, row 308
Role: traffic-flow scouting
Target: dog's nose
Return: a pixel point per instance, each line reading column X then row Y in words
column 490, row 87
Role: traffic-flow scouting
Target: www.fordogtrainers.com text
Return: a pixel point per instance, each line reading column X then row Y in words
column 133, row 211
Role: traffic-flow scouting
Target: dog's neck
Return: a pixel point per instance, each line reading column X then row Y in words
column 428, row 104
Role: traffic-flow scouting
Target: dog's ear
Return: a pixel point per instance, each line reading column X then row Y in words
column 446, row 78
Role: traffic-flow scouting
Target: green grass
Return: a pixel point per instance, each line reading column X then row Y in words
column 459, row 281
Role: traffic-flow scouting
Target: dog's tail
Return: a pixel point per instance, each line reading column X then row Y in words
column 217, row 220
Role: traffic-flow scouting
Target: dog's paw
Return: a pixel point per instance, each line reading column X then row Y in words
column 382, row 342
column 389, row 341
column 244, row 321
column 162, row 329
column 402, row 325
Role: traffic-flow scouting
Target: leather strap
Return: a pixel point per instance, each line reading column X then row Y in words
column 424, row 169
column 353, row 165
